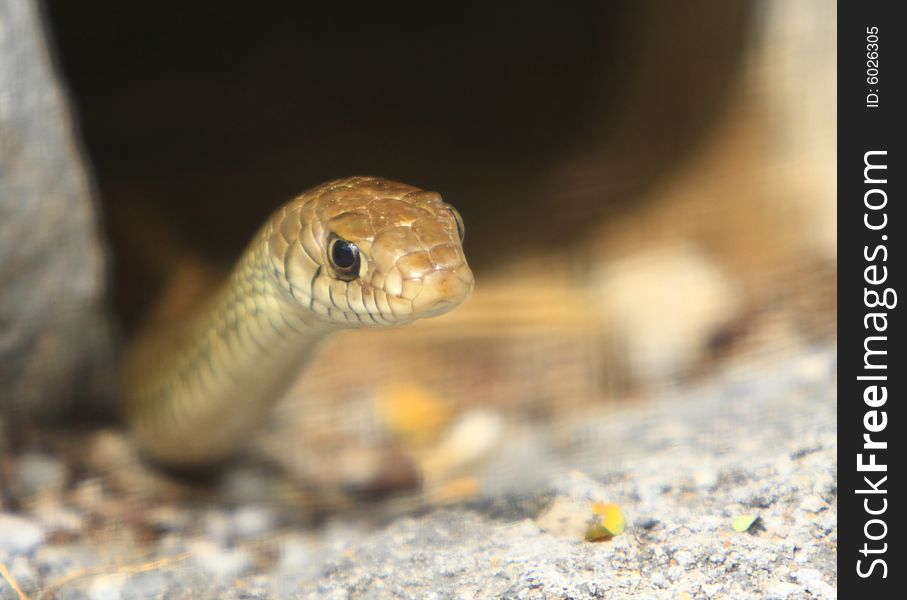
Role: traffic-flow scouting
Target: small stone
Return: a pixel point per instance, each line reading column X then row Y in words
column 470, row 439
column 218, row 526
column 108, row 587
column 705, row 479
column 685, row 558
column 253, row 521
column 811, row 580
column 169, row 518
column 217, row 561
column 20, row 535
column 295, row 553
column 247, row 485
column 55, row 561
column 150, row 584
column 813, row 504
column 781, row 590
column 24, row 572
column 37, row 474
column 88, row 494
column 566, row 518
column 58, row 519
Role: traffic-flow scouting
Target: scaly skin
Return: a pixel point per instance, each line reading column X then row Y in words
column 195, row 393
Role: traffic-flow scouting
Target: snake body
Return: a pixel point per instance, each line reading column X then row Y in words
column 351, row 253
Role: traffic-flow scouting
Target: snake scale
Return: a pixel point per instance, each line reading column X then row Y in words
column 350, row 253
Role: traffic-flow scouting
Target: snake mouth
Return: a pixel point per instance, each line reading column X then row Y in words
column 443, row 291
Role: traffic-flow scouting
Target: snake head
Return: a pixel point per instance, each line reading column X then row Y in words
column 366, row 251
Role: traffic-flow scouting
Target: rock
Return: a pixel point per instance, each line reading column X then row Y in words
column 217, row 561
column 253, row 521
column 566, row 518
column 664, row 339
column 55, row 345
column 782, row 590
column 296, row 553
column 58, row 560
column 169, row 518
column 19, row 535
column 813, row 504
column 469, row 440
column 149, row 584
column 24, row 572
column 247, row 484
column 37, row 473
column 218, row 526
column 108, row 587
column 811, row 580
column 56, row 518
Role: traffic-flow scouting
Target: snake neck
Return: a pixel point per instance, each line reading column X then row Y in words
column 219, row 373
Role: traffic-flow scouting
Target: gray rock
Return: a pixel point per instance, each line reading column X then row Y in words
column 55, row 338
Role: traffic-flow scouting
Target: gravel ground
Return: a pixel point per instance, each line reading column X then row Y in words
column 758, row 439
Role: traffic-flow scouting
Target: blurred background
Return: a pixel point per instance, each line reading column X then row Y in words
column 648, row 190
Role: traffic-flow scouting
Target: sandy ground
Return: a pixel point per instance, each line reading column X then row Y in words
column 759, row 438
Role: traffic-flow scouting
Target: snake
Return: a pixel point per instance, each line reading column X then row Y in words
column 359, row 252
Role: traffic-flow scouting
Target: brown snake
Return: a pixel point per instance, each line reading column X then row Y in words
column 351, row 253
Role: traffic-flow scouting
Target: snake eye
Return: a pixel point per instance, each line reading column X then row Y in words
column 345, row 259
column 461, row 227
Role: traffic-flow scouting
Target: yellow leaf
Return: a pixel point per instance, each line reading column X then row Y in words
column 743, row 522
column 607, row 522
column 596, row 532
column 612, row 518
column 413, row 412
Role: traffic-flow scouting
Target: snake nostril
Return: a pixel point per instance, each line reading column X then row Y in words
column 440, row 292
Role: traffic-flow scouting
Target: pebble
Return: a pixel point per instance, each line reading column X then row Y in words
column 20, row 535
column 685, row 559
column 59, row 519
column 218, row 526
column 471, row 438
column 150, row 584
column 781, row 590
column 58, row 560
column 253, row 521
column 168, row 518
column 812, row 580
column 218, row 561
column 295, row 552
column 705, row 478
column 23, row 571
column 108, row 587
column 813, row 504
column 247, row 485
column 37, row 474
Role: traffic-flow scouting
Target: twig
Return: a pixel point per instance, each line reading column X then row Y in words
column 52, row 589
column 5, row 574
